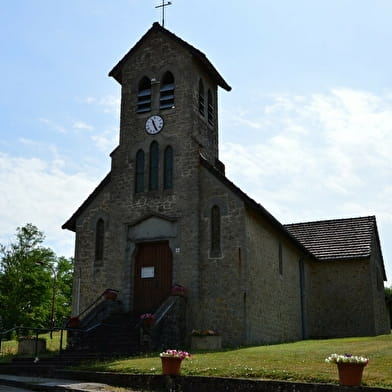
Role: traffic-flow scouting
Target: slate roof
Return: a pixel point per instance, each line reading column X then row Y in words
column 337, row 238
column 199, row 56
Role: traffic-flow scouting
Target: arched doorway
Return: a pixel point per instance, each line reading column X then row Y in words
column 153, row 275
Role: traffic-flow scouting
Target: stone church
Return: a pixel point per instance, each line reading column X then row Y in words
column 166, row 215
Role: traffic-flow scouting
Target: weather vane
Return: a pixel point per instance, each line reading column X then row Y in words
column 163, row 5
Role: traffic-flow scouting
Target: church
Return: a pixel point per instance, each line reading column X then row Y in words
column 172, row 236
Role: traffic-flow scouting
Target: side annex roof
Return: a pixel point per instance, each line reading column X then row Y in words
column 339, row 239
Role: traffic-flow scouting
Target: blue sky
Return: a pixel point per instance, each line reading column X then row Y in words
column 306, row 130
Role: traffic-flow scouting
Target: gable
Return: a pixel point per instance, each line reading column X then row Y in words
column 199, row 56
column 70, row 224
column 255, row 207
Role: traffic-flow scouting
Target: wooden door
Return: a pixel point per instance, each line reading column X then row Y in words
column 153, row 275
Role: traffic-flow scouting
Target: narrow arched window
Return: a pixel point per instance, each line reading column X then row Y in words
column 280, row 258
column 201, row 98
column 166, row 99
column 168, row 168
column 154, row 166
column 144, row 95
column 99, row 240
column 210, row 104
column 139, row 175
column 215, row 250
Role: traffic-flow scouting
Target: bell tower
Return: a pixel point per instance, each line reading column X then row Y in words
column 169, row 94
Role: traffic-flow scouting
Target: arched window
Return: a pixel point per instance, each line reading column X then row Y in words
column 168, row 168
column 99, row 240
column 201, row 98
column 210, row 104
column 144, row 95
column 166, row 99
column 215, row 250
column 280, row 259
column 154, row 166
column 139, row 177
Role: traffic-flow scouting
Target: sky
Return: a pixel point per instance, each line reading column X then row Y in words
column 306, row 130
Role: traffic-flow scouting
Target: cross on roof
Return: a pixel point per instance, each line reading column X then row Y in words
column 163, row 5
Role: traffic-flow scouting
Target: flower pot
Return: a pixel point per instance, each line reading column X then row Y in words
column 178, row 291
column 350, row 373
column 110, row 294
column 73, row 322
column 207, row 342
column 171, row 366
column 148, row 322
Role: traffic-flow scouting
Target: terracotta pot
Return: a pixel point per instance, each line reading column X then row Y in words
column 350, row 373
column 148, row 322
column 178, row 290
column 73, row 322
column 171, row 366
column 110, row 294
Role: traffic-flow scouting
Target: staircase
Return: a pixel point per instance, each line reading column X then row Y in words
column 108, row 332
column 117, row 335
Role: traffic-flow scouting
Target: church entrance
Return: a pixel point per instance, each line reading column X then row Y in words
column 153, row 275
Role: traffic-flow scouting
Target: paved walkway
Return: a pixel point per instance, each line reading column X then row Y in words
column 53, row 384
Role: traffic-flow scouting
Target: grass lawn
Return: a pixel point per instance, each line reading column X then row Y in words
column 300, row 361
column 9, row 348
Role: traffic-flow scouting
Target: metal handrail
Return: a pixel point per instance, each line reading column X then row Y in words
column 95, row 302
column 36, row 331
column 83, row 330
column 44, row 330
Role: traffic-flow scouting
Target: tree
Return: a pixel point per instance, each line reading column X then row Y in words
column 28, row 271
column 388, row 298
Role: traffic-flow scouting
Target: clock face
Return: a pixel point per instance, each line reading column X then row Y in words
column 154, row 125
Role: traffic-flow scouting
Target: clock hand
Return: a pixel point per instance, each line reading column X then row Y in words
column 153, row 123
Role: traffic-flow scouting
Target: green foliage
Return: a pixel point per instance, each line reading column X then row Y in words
column 388, row 294
column 29, row 272
column 388, row 298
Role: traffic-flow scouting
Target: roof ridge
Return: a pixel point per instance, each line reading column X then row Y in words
column 116, row 70
column 368, row 217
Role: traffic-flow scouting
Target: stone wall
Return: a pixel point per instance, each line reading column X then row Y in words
column 381, row 313
column 340, row 302
column 222, row 303
column 273, row 292
column 90, row 279
column 197, row 384
column 120, row 207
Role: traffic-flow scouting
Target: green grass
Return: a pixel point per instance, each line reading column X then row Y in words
column 9, row 348
column 300, row 361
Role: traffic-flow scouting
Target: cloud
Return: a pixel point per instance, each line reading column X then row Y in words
column 40, row 192
column 317, row 156
column 331, row 149
column 82, row 125
column 53, row 125
column 106, row 141
column 111, row 104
